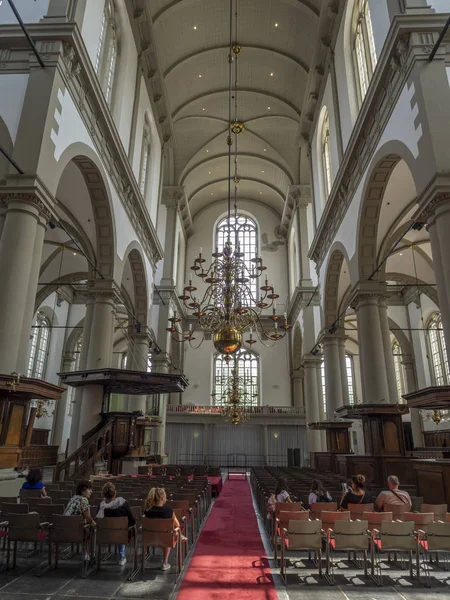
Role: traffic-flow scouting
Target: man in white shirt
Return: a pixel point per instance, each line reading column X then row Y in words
column 393, row 495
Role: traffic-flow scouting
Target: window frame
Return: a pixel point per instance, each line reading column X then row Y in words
column 350, row 372
column 218, row 390
column 76, row 365
column 145, row 159
column 435, row 324
column 398, row 368
column 42, row 324
column 105, row 65
column 363, row 48
column 324, row 388
column 327, row 164
column 250, row 249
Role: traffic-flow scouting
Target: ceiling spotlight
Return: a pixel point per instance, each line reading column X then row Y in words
column 199, row 75
column 265, row 149
column 203, row 108
column 262, row 171
column 74, row 253
column 195, row 26
column 271, row 74
column 209, row 172
column 268, row 108
column 276, row 24
column 207, row 151
column 212, row 193
column 401, row 254
column 260, row 193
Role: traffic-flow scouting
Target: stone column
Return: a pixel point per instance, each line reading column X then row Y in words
column 312, row 401
column 75, row 423
column 61, row 406
column 266, row 443
column 343, row 365
column 411, row 386
column 99, row 352
column 302, row 201
column 161, row 364
column 205, row 441
column 298, row 377
column 21, row 240
column 438, row 228
column 333, row 374
column 371, row 349
column 138, row 361
column 387, row 345
column 170, row 199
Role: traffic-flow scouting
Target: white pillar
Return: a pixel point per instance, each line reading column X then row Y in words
column 99, row 353
column 312, row 403
column 266, row 444
column 333, row 374
column 17, row 261
column 75, row 423
column 161, row 364
column 61, row 406
column 371, row 349
column 205, row 441
column 416, row 418
column 389, row 359
column 297, row 383
column 439, row 228
column 138, row 361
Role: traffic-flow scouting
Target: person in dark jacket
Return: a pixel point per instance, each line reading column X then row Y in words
column 34, row 482
column 156, row 508
column 115, row 506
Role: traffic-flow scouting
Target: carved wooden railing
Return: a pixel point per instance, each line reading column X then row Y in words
column 38, row 456
column 81, row 462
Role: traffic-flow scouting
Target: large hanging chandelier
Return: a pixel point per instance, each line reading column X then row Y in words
column 236, row 398
column 230, row 307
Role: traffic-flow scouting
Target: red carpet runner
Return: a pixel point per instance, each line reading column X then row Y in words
column 229, row 561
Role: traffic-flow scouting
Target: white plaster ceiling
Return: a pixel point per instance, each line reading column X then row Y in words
column 278, row 40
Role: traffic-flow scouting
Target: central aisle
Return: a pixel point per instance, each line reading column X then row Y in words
column 229, row 560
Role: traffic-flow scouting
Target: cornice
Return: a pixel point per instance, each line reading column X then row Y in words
column 410, row 39
column 301, row 298
column 296, row 196
column 62, row 46
column 176, row 196
column 142, row 27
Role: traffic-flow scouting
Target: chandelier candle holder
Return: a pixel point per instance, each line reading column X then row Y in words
column 231, row 307
column 228, row 307
column 235, row 398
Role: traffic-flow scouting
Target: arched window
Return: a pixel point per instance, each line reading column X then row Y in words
column 437, row 351
column 40, row 340
column 107, row 50
column 326, row 156
column 399, row 378
column 349, row 370
column 145, row 157
column 241, row 231
column 76, row 366
column 364, row 54
column 247, row 366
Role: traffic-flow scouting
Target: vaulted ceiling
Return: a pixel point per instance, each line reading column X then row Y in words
column 278, row 40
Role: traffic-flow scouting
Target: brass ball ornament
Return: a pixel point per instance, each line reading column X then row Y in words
column 228, row 339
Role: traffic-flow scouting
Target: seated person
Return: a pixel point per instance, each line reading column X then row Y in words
column 356, row 494
column 113, row 506
column 79, row 505
column 282, row 491
column 156, row 508
column 318, row 493
column 33, row 481
column 393, row 495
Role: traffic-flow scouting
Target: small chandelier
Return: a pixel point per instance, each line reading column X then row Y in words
column 437, row 416
column 236, row 398
column 230, row 308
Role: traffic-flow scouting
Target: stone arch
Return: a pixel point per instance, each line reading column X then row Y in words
column 7, row 144
column 140, row 289
column 96, row 182
column 331, row 288
column 46, row 290
column 73, row 337
column 297, row 347
column 380, row 171
column 401, row 278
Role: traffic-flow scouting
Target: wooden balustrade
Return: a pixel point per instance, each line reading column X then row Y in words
column 81, row 462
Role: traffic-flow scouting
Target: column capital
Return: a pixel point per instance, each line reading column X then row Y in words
column 27, row 192
column 312, row 360
column 367, row 292
column 298, row 373
column 160, row 362
column 172, row 195
column 102, row 290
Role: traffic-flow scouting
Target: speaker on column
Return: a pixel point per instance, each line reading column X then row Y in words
column 290, row 457
column 297, row 457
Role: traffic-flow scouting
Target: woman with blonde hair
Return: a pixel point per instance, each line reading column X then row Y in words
column 156, row 508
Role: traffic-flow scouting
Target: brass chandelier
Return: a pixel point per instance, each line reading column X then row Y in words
column 236, row 398
column 230, row 308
